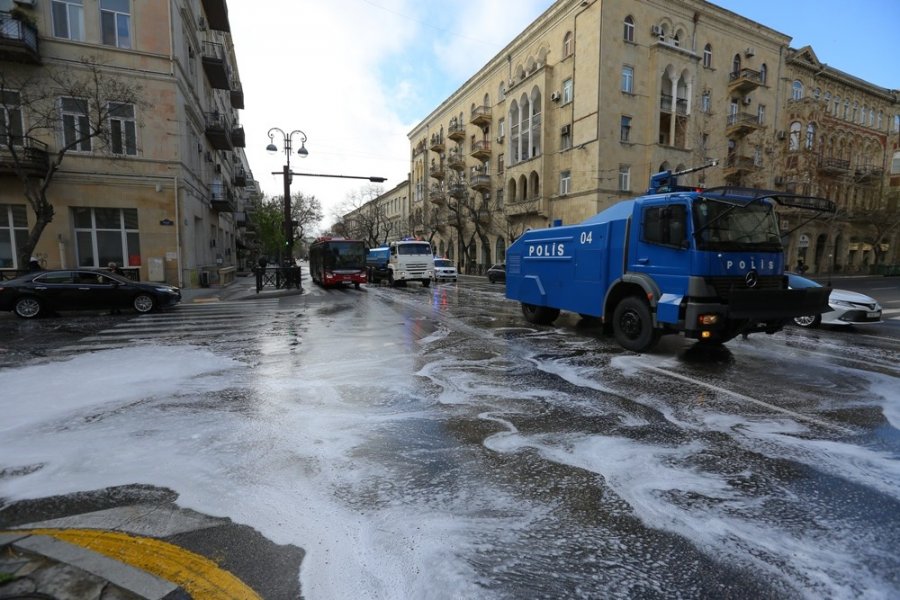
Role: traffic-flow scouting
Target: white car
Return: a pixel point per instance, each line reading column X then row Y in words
column 847, row 308
column 444, row 269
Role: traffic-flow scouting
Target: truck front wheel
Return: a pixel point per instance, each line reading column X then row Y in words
column 539, row 315
column 633, row 326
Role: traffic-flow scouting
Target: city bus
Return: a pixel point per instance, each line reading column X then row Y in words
column 336, row 261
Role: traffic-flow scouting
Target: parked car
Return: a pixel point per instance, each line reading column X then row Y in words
column 847, row 308
column 44, row 292
column 497, row 272
column 444, row 270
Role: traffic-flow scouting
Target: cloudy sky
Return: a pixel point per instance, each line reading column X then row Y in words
column 357, row 75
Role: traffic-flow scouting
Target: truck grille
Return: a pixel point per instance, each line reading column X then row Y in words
column 725, row 285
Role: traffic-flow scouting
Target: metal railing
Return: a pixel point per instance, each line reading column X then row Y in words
column 277, row 277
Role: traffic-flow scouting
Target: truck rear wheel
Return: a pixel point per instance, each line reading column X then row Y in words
column 633, row 326
column 539, row 315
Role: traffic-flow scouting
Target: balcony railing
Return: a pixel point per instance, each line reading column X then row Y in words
column 437, row 142
column 834, row 165
column 741, row 124
column 456, row 131
column 238, row 138
column 217, row 14
column 744, row 80
column 222, row 199
column 481, row 116
column 18, row 40
column 240, row 177
column 481, row 149
column 481, row 182
column 216, row 66
column 456, row 161
column 218, row 131
column 436, row 170
column 32, row 155
column 237, row 95
column 458, row 190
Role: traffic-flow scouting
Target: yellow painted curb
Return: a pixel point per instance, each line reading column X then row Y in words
column 197, row 575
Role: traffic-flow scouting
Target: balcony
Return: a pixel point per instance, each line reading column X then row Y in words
column 456, row 131
column 738, row 165
column 221, row 198
column 741, row 124
column 217, row 14
column 240, row 177
column 456, row 161
column 458, row 191
column 481, row 182
column 833, row 166
column 665, row 104
column 216, row 66
column 238, row 139
column 481, row 116
column 437, row 143
column 868, row 173
column 437, row 196
column 481, row 150
column 218, row 131
column 18, row 40
column 484, row 216
column 237, row 96
column 744, row 81
column 32, row 155
column 436, row 170
column 523, row 207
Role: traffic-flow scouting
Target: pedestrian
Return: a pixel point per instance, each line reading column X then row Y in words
column 801, row 266
column 114, row 268
column 34, row 265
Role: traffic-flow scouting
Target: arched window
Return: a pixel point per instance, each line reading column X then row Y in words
column 895, row 164
column 810, row 136
column 676, row 39
column 846, row 109
column 500, row 250
column 880, row 120
column 827, row 101
column 794, row 142
column 763, row 73
column 707, row 56
column 629, row 29
column 568, row 49
column 797, row 90
column 816, row 93
column 837, row 106
column 736, row 65
column 514, row 134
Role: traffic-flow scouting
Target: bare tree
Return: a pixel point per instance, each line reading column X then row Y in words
column 362, row 218
column 93, row 95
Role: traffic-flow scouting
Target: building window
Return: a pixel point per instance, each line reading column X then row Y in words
column 827, row 101
column 705, row 102
column 624, row 178
column 896, row 123
column 625, row 129
column 500, row 164
column 846, row 109
column 761, row 114
column 629, row 29
column 115, row 23
column 501, row 129
column 736, row 65
column 13, row 234
column 816, row 93
column 122, row 129
column 895, row 164
column 628, row 80
column 565, row 141
column 11, row 124
column 794, row 142
column 665, row 225
column 707, row 56
column 565, row 182
column 568, row 49
column 105, row 235
column 76, row 126
column 872, row 118
column 68, row 19
column 567, row 91
column 880, row 120
column 797, row 90
column 810, row 136
column 763, row 73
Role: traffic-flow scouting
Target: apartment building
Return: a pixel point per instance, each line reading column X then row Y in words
column 382, row 219
column 165, row 191
column 594, row 96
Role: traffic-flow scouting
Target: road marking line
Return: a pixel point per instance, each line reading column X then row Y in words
column 738, row 396
column 200, row 577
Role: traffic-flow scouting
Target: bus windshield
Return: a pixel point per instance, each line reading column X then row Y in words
column 727, row 226
column 344, row 255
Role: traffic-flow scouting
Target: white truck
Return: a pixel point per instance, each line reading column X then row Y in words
column 410, row 260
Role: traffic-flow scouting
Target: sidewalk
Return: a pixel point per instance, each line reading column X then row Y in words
column 243, row 288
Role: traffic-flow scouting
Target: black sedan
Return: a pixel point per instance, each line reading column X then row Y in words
column 45, row 292
column 497, row 272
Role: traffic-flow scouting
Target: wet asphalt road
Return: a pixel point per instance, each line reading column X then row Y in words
column 446, row 449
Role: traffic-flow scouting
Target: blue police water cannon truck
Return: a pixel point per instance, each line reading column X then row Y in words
column 708, row 263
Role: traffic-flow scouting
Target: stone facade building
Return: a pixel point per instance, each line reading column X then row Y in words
column 167, row 198
column 594, row 96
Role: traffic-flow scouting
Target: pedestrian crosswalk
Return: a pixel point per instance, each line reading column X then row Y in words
column 201, row 323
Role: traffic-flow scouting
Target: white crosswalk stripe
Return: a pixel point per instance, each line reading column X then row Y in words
column 193, row 323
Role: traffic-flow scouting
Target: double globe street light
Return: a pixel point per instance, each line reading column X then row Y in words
column 286, row 173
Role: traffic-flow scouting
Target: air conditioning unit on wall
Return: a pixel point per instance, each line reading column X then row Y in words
column 780, row 135
column 656, row 30
column 555, row 96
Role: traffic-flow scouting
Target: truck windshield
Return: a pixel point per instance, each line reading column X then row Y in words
column 728, row 226
column 414, row 248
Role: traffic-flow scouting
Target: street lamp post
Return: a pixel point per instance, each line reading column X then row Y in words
column 288, row 220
